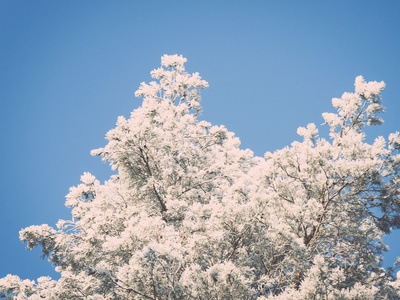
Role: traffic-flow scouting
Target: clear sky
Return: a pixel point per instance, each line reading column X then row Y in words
column 68, row 69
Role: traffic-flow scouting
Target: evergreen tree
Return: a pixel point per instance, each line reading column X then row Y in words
column 189, row 215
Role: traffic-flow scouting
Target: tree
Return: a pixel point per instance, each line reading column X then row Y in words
column 189, row 215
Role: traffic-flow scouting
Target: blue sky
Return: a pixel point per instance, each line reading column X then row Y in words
column 68, row 69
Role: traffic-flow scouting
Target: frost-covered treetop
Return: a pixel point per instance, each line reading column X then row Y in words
column 190, row 215
column 176, row 61
column 174, row 83
column 355, row 110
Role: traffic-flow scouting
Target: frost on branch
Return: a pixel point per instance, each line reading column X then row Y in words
column 190, row 215
column 355, row 110
column 309, row 133
column 174, row 84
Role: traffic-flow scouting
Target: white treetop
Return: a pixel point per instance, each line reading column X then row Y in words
column 189, row 215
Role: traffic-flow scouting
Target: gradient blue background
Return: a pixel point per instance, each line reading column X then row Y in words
column 69, row 68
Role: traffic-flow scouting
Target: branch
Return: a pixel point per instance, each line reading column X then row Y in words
column 236, row 243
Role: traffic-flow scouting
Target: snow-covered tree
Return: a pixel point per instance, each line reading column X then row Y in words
column 189, row 215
